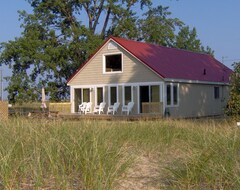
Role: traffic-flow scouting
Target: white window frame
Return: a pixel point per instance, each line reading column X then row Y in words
column 109, row 94
column 104, row 63
column 123, row 93
column 172, row 101
column 96, row 87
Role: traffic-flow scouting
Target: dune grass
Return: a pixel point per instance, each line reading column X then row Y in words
column 45, row 154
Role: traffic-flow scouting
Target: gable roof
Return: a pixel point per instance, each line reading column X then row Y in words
column 172, row 63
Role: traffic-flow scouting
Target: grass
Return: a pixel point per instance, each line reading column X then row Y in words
column 45, row 154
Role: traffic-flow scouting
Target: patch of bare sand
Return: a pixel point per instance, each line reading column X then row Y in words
column 144, row 175
column 148, row 172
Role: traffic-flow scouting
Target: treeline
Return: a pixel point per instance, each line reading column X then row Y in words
column 59, row 35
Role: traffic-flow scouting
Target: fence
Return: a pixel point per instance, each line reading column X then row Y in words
column 60, row 107
column 3, row 110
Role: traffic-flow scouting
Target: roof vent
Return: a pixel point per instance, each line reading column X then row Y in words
column 204, row 71
column 112, row 45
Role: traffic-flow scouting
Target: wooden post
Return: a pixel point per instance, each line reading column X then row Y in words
column 3, row 110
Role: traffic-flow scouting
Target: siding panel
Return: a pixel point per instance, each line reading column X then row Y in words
column 197, row 100
column 133, row 70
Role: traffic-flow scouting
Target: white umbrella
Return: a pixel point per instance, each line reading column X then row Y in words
column 43, row 98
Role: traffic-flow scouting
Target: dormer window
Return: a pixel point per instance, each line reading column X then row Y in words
column 113, row 63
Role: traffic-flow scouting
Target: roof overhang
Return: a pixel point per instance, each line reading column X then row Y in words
column 195, row 82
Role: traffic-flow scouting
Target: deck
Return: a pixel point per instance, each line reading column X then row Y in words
column 76, row 116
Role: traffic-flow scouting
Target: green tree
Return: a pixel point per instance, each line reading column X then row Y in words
column 187, row 39
column 56, row 40
column 233, row 106
column 158, row 27
column 60, row 35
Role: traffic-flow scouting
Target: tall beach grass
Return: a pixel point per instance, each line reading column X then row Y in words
column 95, row 155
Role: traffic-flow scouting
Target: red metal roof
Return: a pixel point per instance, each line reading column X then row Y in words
column 173, row 63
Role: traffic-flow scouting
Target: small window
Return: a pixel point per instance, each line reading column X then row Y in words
column 216, row 92
column 172, row 96
column 113, row 63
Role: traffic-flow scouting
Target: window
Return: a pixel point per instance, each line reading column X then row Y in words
column 127, row 94
column 172, row 95
column 216, row 92
column 99, row 95
column 169, row 95
column 175, row 94
column 86, row 95
column 113, row 63
column 113, row 95
column 155, row 95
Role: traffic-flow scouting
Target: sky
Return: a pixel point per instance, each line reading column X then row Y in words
column 217, row 23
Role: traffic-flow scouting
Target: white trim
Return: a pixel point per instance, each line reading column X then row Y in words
column 119, row 84
column 138, row 98
column 163, row 98
column 194, row 81
column 104, row 62
column 72, row 99
column 172, row 94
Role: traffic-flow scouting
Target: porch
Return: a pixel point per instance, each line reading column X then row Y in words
column 148, row 98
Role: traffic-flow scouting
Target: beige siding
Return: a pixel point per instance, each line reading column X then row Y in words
column 196, row 100
column 133, row 71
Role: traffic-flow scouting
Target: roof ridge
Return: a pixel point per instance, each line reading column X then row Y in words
column 175, row 48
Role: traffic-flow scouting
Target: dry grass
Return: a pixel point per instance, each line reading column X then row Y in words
column 167, row 154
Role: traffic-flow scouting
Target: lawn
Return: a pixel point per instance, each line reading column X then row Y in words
column 107, row 155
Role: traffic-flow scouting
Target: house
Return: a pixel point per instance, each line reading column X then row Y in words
column 162, row 80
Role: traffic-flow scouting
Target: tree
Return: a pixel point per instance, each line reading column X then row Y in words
column 60, row 35
column 187, row 39
column 233, row 106
column 56, row 41
column 158, row 27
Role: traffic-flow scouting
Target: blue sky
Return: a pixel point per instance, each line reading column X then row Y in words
column 217, row 23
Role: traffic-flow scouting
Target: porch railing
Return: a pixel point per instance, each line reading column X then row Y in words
column 152, row 107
